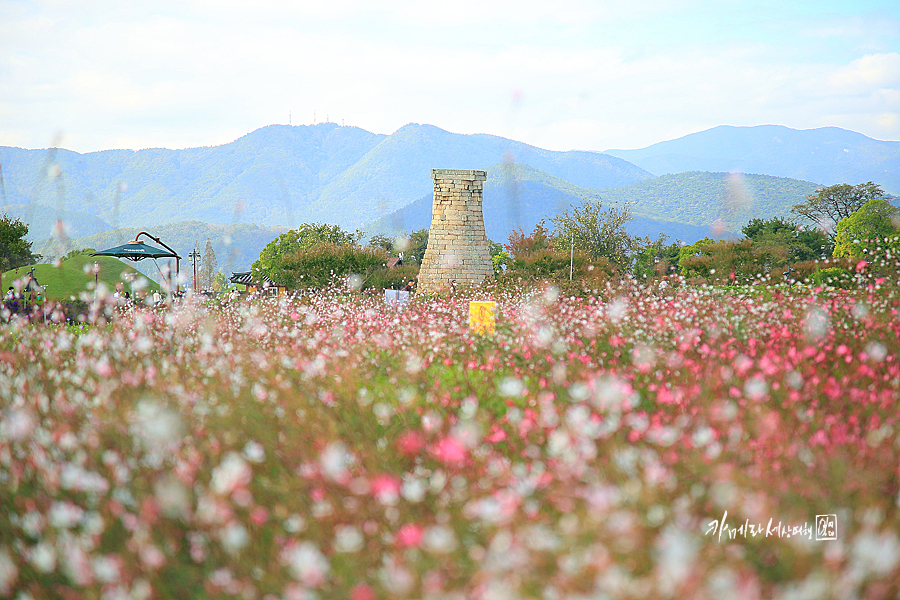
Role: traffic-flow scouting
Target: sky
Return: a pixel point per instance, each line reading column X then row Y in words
column 91, row 75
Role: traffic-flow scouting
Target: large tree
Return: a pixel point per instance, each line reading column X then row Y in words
column 784, row 240
column 305, row 237
column 15, row 250
column 869, row 232
column 598, row 232
column 825, row 208
column 209, row 268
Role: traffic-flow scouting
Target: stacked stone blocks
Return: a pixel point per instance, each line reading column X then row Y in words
column 457, row 245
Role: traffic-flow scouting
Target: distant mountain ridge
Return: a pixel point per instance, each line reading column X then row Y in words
column 686, row 206
column 277, row 175
column 281, row 176
column 827, row 155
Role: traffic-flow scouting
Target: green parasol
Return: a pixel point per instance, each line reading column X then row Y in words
column 136, row 250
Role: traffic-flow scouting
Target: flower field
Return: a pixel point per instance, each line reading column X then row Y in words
column 633, row 445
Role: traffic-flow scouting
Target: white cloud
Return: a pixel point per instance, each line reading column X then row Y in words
column 112, row 74
column 869, row 73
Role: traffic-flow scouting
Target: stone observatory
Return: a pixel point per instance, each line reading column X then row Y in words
column 457, row 245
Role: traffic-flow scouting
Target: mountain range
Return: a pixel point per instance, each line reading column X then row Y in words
column 281, row 176
column 827, row 155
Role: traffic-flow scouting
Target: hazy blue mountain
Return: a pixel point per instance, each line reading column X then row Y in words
column 43, row 221
column 277, row 175
column 827, row 155
column 398, row 170
column 270, row 176
column 687, row 206
column 284, row 176
column 236, row 246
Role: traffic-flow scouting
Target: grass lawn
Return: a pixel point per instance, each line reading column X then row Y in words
column 75, row 275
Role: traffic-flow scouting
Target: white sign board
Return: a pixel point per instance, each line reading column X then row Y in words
column 396, row 298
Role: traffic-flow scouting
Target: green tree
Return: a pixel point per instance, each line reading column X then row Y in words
column 220, row 282
column 829, row 205
column 869, row 232
column 499, row 257
column 15, row 250
column 812, row 244
column 418, row 243
column 596, row 232
column 209, row 268
column 382, row 241
column 686, row 254
column 758, row 228
column 307, row 236
column 785, row 241
column 655, row 258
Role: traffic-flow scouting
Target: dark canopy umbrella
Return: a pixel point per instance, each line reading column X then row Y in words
column 136, row 250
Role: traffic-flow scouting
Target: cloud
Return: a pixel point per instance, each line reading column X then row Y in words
column 560, row 76
column 869, row 73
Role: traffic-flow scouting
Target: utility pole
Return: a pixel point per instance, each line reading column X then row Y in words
column 572, row 256
column 194, row 256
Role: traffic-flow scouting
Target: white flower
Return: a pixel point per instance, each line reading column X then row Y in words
column 307, row 564
column 234, row 538
column 334, row 461
column 439, row 539
column 231, row 474
column 348, row 539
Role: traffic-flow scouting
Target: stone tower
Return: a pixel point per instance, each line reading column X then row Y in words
column 457, row 245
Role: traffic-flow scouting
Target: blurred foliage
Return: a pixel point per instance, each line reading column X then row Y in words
column 836, row 277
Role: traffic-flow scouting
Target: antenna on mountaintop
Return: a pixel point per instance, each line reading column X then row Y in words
column 314, row 116
column 289, row 118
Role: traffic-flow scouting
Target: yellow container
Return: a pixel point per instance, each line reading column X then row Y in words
column 481, row 316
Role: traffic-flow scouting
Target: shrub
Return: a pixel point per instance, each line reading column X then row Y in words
column 834, row 277
column 391, row 279
column 319, row 265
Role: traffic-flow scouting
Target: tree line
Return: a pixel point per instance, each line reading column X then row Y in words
column 842, row 224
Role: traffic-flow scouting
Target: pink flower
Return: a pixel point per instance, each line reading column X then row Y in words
column 362, row 592
column 450, row 451
column 498, row 435
column 409, row 536
column 386, row 489
column 861, row 266
column 259, row 515
column 410, row 443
